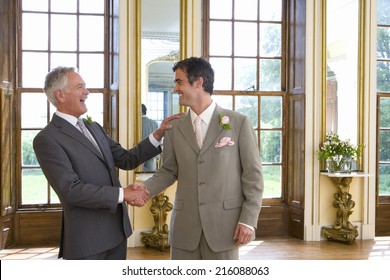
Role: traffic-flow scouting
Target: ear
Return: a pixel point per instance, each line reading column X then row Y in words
column 60, row 96
column 199, row 83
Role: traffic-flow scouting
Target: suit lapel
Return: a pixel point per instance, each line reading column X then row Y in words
column 71, row 131
column 187, row 131
column 213, row 131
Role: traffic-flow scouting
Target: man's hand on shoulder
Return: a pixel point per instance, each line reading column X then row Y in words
column 158, row 134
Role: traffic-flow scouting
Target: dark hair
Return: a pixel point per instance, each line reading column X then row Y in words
column 143, row 109
column 197, row 67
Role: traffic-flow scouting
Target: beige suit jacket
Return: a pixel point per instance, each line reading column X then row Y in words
column 217, row 187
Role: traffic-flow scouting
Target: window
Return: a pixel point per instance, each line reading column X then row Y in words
column 53, row 33
column 383, row 93
column 246, row 46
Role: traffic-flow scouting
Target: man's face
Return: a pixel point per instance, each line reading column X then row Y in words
column 72, row 100
column 188, row 94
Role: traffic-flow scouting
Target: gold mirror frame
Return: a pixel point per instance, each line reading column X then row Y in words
column 138, row 51
column 360, row 72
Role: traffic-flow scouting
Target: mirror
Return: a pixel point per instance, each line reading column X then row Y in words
column 343, row 68
column 160, row 49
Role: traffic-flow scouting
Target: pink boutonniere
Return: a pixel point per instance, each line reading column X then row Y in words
column 225, row 141
column 224, row 122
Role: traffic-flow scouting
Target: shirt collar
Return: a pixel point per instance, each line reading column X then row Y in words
column 206, row 114
column 69, row 118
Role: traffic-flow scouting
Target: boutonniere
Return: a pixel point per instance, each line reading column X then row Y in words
column 88, row 119
column 224, row 122
column 225, row 141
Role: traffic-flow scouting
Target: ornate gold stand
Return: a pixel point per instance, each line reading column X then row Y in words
column 158, row 237
column 342, row 229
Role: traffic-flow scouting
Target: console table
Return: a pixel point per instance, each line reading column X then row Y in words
column 342, row 229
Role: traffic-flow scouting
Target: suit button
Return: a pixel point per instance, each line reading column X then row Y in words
column 202, row 203
column 201, row 161
column 201, row 183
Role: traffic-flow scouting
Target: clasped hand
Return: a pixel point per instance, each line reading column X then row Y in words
column 136, row 195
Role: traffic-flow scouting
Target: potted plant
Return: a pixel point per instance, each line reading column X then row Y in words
column 338, row 154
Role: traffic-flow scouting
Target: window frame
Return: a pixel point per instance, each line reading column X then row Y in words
column 105, row 90
column 283, row 93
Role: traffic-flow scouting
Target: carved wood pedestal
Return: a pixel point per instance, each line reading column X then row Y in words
column 342, row 229
column 158, row 237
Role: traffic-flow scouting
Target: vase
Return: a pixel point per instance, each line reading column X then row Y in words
column 339, row 164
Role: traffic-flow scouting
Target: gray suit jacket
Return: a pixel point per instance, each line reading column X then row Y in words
column 87, row 184
column 217, row 187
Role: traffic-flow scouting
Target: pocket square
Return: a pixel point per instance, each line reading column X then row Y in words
column 225, row 141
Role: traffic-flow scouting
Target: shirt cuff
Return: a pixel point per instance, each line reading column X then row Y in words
column 252, row 228
column 120, row 198
column 154, row 141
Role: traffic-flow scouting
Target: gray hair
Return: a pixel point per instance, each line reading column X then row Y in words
column 56, row 79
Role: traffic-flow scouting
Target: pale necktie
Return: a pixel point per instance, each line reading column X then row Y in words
column 198, row 131
column 87, row 134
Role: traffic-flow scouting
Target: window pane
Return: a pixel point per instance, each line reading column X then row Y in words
column 92, row 6
column 34, row 69
column 384, row 179
column 271, row 10
column 222, row 73
column 218, row 13
column 68, row 6
column 225, row 101
column 34, row 110
column 383, row 76
column 272, row 179
column 248, row 105
column 34, row 187
column 384, row 145
column 383, row 39
column 271, row 112
column 220, row 38
column 270, row 75
column 245, row 74
column 245, row 9
column 270, row 146
column 383, row 8
column 53, row 196
column 95, row 107
column 270, row 40
column 92, row 70
column 34, row 34
column 64, row 36
column 35, row 5
column 64, row 59
column 384, row 113
column 91, row 41
column 28, row 154
column 245, row 39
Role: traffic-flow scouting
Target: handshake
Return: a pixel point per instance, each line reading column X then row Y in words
column 136, row 194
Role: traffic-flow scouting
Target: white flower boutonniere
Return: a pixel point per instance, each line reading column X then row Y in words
column 224, row 122
column 225, row 141
column 88, row 119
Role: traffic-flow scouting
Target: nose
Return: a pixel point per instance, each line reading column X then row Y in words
column 175, row 89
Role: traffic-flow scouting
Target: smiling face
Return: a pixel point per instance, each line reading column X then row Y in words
column 188, row 94
column 71, row 100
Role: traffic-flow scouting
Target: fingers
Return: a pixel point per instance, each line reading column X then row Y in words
column 136, row 197
column 158, row 134
column 242, row 235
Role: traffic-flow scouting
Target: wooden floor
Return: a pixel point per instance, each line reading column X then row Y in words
column 280, row 248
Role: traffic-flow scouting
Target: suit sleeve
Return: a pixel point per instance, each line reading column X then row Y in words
column 252, row 175
column 62, row 172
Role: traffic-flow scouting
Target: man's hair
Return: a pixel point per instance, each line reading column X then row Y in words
column 143, row 109
column 56, row 79
column 197, row 67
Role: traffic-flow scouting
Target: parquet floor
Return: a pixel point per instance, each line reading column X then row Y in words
column 275, row 248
